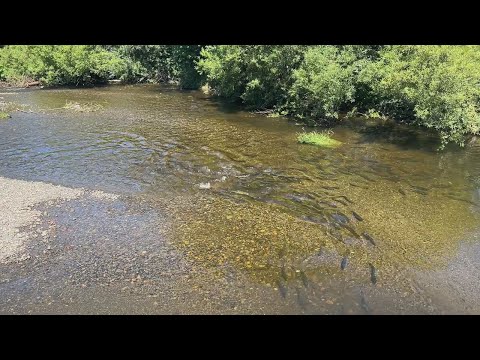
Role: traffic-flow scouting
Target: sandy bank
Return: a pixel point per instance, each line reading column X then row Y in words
column 16, row 200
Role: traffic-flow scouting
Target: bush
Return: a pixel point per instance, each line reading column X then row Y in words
column 323, row 83
column 160, row 63
column 259, row 76
column 145, row 62
column 59, row 64
column 433, row 86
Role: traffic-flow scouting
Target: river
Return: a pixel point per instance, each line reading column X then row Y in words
column 219, row 210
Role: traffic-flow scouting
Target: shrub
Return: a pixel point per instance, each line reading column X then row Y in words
column 257, row 75
column 323, row 83
column 161, row 63
column 59, row 64
column 433, row 86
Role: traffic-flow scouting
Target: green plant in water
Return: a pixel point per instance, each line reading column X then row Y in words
column 322, row 138
column 85, row 107
column 4, row 115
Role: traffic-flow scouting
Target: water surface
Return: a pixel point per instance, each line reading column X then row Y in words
column 322, row 228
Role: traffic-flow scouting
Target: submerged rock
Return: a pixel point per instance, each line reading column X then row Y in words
column 204, row 185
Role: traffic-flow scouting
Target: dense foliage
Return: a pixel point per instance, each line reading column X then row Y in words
column 258, row 75
column 160, row 63
column 433, row 86
column 59, row 65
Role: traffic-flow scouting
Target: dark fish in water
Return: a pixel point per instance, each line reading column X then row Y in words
column 330, row 187
column 352, row 231
column 282, row 289
column 304, row 279
column 464, row 200
column 283, row 273
column 359, row 186
column 344, row 263
column 420, row 188
column 369, row 238
column 301, row 300
column 341, row 202
column 402, row 192
column 331, row 204
column 373, row 274
column 340, row 218
column 363, row 303
column 356, row 216
column 346, row 198
column 365, row 177
column 421, row 192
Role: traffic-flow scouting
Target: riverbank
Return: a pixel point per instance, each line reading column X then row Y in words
column 17, row 198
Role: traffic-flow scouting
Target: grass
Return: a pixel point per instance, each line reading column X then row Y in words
column 7, row 108
column 322, row 138
column 85, row 107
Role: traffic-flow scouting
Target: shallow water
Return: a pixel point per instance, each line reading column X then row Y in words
column 239, row 194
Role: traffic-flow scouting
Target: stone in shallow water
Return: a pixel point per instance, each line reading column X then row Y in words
column 204, row 185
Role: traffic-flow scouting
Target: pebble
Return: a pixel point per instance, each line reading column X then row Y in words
column 204, row 185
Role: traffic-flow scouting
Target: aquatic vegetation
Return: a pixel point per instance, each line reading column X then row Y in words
column 6, row 108
column 82, row 107
column 322, row 138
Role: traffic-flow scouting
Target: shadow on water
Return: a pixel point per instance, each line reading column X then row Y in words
column 407, row 137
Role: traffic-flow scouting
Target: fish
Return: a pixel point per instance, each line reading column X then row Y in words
column 419, row 191
column 301, row 300
column 365, row 177
column 402, row 192
column 419, row 187
column 344, row 263
column 359, row 186
column 352, row 231
column 281, row 288
column 363, row 303
column 283, row 273
column 356, row 216
column 304, row 278
column 373, row 274
column 341, row 202
column 346, row 198
column 369, row 238
column 340, row 218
